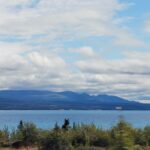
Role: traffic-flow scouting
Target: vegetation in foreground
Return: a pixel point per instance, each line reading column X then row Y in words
column 76, row 137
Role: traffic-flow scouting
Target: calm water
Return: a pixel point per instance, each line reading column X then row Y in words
column 47, row 119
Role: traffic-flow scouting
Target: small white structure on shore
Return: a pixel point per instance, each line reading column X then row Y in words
column 119, row 108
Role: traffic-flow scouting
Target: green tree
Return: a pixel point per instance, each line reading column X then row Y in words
column 147, row 135
column 139, row 137
column 56, row 127
column 27, row 133
column 30, row 134
column 21, row 125
column 66, row 125
column 79, row 138
column 4, row 137
column 56, row 141
column 122, row 136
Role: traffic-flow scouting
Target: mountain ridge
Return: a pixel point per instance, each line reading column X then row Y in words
column 49, row 100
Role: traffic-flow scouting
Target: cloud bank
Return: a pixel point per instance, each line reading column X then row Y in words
column 44, row 45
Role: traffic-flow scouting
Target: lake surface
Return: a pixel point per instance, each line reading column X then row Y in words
column 47, row 118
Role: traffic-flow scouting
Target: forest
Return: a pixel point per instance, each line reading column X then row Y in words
column 122, row 136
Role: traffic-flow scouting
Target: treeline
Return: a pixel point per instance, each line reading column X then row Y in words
column 122, row 136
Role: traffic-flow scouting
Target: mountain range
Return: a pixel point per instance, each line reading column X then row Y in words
column 48, row 100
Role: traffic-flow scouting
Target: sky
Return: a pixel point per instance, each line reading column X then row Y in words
column 92, row 46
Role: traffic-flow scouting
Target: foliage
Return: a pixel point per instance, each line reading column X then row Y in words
column 26, row 132
column 122, row 136
column 4, row 136
column 55, row 141
column 147, row 135
column 89, row 148
column 66, row 124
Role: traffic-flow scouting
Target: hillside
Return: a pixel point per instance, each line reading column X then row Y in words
column 45, row 100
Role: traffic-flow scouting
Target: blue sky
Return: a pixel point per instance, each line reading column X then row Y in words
column 98, row 46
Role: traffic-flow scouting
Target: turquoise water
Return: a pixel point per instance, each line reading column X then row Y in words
column 47, row 119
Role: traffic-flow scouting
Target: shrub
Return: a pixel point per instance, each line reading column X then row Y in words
column 27, row 133
column 79, row 139
column 139, row 137
column 123, row 136
column 55, row 141
column 4, row 137
column 147, row 135
column 88, row 148
column 100, row 139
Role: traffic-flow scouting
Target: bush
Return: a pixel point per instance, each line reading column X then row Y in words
column 139, row 137
column 88, row 148
column 4, row 137
column 100, row 140
column 79, row 139
column 27, row 133
column 55, row 141
column 122, row 136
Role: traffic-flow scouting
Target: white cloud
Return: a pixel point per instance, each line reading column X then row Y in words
column 93, row 74
column 134, row 63
column 147, row 26
column 128, row 77
column 84, row 51
column 33, row 32
column 50, row 62
column 67, row 18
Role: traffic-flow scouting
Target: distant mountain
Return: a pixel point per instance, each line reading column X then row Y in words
column 47, row 100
